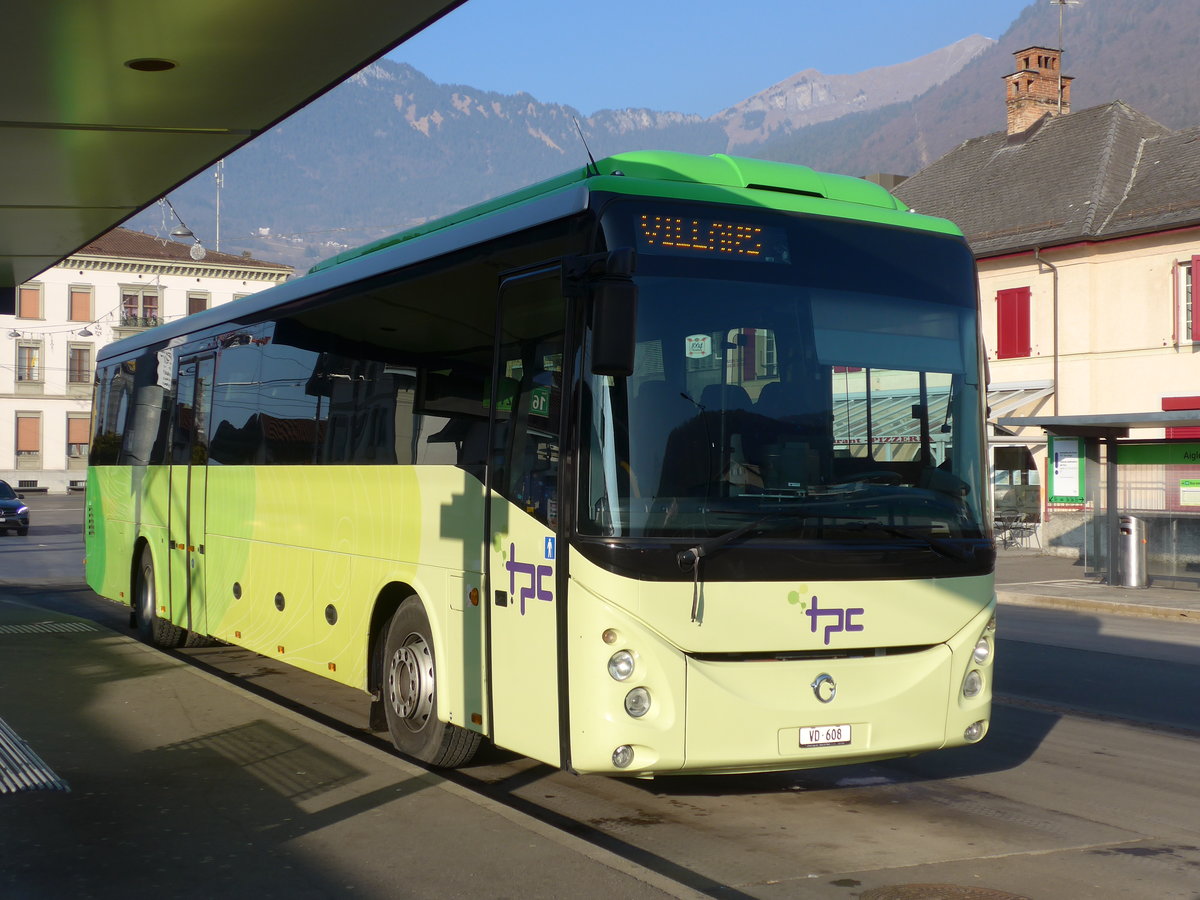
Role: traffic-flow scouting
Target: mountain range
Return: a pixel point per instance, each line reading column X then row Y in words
column 390, row 148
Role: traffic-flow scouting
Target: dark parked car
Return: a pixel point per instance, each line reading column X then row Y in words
column 14, row 514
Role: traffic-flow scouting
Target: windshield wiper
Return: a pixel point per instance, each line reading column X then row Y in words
column 938, row 545
column 689, row 559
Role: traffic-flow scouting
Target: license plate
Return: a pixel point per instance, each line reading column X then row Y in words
column 824, row 735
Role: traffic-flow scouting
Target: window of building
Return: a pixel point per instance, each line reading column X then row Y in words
column 29, row 361
column 29, row 440
column 29, row 301
column 1012, row 323
column 1189, row 320
column 80, row 304
column 139, row 306
column 197, row 301
column 78, row 427
column 79, row 364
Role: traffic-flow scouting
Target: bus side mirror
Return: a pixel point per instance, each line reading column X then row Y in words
column 614, row 325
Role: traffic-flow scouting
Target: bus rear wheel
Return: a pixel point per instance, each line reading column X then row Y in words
column 153, row 630
column 410, row 693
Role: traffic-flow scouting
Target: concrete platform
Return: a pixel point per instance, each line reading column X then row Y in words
column 181, row 785
column 1029, row 578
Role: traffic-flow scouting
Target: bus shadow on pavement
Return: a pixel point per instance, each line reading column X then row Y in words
column 214, row 813
column 278, row 760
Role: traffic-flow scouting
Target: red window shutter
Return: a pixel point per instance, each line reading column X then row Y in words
column 1012, row 323
column 1191, row 298
column 29, row 305
column 29, row 434
column 81, row 305
column 77, row 431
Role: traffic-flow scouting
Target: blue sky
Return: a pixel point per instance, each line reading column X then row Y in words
column 693, row 56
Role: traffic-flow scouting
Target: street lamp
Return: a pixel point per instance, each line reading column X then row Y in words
column 197, row 251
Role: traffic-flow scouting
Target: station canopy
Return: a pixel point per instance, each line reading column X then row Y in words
column 1105, row 425
column 105, row 107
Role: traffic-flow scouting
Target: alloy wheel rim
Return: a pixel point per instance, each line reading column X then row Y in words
column 410, row 682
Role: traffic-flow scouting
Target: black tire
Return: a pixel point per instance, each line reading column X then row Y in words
column 195, row 639
column 154, row 630
column 22, row 532
column 410, row 694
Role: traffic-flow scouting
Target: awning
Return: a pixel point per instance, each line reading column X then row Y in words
column 1106, row 425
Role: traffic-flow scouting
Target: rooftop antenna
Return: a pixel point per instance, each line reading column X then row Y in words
column 592, row 167
column 1060, row 4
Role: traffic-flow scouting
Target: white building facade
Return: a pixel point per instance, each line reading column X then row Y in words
column 121, row 283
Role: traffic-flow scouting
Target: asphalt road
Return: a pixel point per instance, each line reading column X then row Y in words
column 1088, row 784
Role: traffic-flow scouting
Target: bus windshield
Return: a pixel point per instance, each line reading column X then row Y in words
column 832, row 393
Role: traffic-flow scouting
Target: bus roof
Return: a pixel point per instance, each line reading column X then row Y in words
column 662, row 174
column 671, row 173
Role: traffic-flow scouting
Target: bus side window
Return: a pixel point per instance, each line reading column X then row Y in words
column 110, row 404
column 236, row 426
column 140, row 411
column 292, row 403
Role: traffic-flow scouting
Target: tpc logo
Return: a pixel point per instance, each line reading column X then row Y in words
column 835, row 619
column 536, row 574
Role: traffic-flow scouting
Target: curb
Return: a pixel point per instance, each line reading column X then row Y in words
column 1083, row 604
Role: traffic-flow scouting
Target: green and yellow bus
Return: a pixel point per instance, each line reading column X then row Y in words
column 670, row 464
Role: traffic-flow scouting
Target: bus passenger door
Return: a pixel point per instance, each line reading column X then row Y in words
column 189, row 477
column 523, row 502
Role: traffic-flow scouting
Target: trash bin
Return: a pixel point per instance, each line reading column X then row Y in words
column 1132, row 547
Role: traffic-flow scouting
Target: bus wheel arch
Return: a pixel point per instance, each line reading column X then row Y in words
column 386, row 604
column 408, row 677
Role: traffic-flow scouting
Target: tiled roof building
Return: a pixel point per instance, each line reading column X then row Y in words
column 1086, row 230
column 1105, row 172
column 120, row 283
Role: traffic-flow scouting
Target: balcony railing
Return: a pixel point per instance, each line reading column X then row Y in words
column 128, row 320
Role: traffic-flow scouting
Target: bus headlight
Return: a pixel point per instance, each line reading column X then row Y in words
column 637, row 702
column 972, row 684
column 974, row 731
column 622, row 756
column 983, row 651
column 620, row 665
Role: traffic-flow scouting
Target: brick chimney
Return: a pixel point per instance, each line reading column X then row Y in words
column 1032, row 90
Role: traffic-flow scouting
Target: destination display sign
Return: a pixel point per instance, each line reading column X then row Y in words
column 683, row 235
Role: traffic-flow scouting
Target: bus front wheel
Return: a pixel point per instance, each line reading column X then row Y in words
column 153, row 630
column 410, row 693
